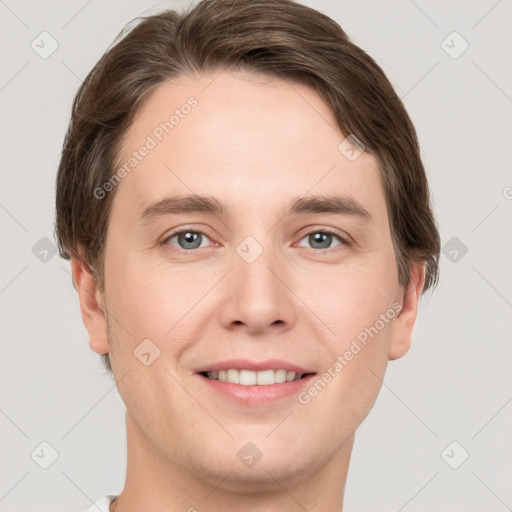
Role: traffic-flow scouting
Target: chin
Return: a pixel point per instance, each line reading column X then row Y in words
column 266, row 475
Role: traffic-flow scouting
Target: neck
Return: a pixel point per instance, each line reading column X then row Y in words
column 155, row 482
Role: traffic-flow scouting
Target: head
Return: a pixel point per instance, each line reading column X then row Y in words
column 308, row 215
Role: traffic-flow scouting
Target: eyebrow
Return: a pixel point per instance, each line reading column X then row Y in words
column 207, row 204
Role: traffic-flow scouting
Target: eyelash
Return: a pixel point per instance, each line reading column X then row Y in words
column 342, row 240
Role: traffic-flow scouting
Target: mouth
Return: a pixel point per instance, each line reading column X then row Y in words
column 245, row 377
column 252, row 383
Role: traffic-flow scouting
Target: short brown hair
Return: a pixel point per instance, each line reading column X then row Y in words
column 280, row 38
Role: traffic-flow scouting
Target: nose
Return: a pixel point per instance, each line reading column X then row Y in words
column 259, row 295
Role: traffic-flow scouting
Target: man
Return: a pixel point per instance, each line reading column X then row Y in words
column 249, row 223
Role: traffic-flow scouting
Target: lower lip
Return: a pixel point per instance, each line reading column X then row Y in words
column 257, row 395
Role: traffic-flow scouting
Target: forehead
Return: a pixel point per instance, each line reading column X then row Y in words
column 244, row 138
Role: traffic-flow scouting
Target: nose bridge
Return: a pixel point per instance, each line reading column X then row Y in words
column 252, row 267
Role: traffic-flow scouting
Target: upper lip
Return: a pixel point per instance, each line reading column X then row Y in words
column 255, row 366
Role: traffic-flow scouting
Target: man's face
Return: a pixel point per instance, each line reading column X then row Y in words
column 254, row 282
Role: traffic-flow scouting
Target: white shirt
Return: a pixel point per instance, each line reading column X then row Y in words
column 102, row 505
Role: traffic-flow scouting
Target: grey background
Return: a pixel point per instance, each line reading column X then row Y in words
column 455, row 383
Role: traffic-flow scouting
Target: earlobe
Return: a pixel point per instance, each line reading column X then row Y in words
column 403, row 324
column 91, row 305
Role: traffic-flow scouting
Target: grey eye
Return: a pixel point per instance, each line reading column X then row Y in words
column 321, row 239
column 188, row 239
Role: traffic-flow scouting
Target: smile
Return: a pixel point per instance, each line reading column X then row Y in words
column 254, row 378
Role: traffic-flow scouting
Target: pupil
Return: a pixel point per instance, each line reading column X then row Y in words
column 324, row 239
column 189, row 240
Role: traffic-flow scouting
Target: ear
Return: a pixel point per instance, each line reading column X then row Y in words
column 91, row 305
column 404, row 323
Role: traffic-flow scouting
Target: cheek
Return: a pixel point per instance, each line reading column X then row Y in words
column 346, row 390
column 352, row 301
column 154, row 301
column 149, row 296
column 359, row 313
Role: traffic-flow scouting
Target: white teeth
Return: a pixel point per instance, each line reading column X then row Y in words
column 290, row 376
column 233, row 376
column 250, row 378
column 280, row 376
column 265, row 378
column 247, row 378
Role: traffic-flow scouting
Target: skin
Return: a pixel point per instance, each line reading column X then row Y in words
column 255, row 144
